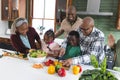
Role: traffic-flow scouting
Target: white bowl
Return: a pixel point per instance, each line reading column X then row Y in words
column 36, row 60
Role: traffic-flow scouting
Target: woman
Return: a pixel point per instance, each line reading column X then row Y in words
column 23, row 37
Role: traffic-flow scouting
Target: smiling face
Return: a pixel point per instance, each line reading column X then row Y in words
column 48, row 39
column 22, row 29
column 73, row 40
column 71, row 14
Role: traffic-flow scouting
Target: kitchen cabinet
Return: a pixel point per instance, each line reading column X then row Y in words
column 5, row 40
column 118, row 21
column 5, row 43
column 11, row 9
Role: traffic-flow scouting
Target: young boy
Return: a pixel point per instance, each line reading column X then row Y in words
column 73, row 48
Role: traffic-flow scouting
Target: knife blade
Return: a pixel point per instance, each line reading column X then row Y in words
column 49, row 48
column 60, row 58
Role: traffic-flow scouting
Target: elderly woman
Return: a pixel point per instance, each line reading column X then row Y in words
column 23, row 37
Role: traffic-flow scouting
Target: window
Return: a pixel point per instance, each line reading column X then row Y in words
column 43, row 14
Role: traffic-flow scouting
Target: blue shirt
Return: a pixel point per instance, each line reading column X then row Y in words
column 25, row 41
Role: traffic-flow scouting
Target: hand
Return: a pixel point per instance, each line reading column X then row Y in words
column 62, row 52
column 111, row 40
column 67, row 62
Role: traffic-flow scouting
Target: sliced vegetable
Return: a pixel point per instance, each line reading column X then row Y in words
column 37, row 53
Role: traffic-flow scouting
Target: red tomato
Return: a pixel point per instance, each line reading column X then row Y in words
column 47, row 63
column 61, row 72
column 80, row 68
column 51, row 61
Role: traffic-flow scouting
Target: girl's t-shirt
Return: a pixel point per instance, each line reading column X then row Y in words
column 72, row 51
column 52, row 46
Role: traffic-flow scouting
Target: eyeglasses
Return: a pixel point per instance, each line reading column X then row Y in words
column 84, row 29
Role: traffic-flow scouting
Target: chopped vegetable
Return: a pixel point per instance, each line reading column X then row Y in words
column 37, row 66
column 37, row 53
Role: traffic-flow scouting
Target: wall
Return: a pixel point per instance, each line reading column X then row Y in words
column 3, row 24
column 105, row 23
column 105, row 6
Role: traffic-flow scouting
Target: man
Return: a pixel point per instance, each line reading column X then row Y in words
column 71, row 22
column 114, row 47
column 91, row 42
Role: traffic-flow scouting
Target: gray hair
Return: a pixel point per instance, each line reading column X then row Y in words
column 17, row 23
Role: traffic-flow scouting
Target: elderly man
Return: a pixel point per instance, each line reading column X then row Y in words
column 71, row 22
column 91, row 42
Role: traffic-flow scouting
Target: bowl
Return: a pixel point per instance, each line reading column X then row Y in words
column 37, row 56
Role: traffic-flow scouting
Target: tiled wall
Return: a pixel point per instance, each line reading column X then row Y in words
column 105, row 6
column 105, row 23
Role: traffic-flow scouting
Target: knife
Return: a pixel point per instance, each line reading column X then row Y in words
column 49, row 48
column 60, row 58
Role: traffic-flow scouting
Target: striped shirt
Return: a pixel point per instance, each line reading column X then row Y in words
column 92, row 44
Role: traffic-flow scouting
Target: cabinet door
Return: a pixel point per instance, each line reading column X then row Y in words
column 11, row 9
column 5, row 8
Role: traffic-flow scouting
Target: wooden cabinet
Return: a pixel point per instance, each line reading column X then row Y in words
column 5, row 40
column 118, row 21
column 11, row 9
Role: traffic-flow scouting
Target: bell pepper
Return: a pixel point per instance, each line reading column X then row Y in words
column 75, row 70
column 61, row 72
column 51, row 69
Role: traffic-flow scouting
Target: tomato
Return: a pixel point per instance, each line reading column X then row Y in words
column 61, row 72
column 51, row 61
column 47, row 63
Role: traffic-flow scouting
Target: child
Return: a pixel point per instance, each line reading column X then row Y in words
column 48, row 44
column 23, row 37
column 73, row 48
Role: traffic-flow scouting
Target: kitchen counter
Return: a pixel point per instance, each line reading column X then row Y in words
column 18, row 69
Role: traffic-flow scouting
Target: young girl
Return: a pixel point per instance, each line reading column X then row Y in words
column 23, row 37
column 48, row 44
column 73, row 48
